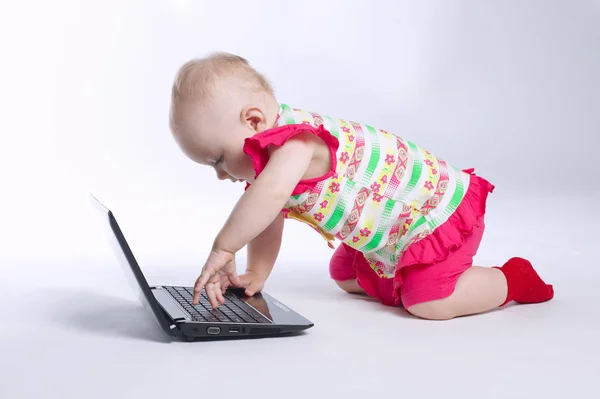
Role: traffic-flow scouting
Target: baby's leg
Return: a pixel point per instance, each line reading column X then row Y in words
column 480, row 289
column 454, row 288
column 350, row 286
column 477, row 290
column 342, row 271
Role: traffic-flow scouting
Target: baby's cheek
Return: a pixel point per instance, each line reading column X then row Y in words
column 245, row 169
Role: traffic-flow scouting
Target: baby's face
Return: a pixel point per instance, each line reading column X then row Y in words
column 215, row 137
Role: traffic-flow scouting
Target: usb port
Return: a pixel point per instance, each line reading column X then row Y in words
column 234, row 330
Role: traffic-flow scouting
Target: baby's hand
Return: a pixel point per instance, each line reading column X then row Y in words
column 219, row 266
column 252, row 281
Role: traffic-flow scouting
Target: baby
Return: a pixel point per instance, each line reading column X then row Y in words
column 409, row 222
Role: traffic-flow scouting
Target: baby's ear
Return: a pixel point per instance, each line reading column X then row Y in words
column 255, row 118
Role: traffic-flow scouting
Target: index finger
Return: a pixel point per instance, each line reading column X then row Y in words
column 200, row 283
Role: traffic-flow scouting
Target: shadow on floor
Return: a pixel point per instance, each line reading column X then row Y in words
column 379, row 307
column 106, row 315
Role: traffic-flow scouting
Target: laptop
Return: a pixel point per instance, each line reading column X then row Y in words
column 241, row 317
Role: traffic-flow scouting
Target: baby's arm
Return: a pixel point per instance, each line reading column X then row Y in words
column 262, row 254
column 265, row 198
column 255, row 211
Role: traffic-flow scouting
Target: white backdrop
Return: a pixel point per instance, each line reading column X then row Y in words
column 507, row 87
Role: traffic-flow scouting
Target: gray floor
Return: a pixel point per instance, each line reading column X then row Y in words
column 72, row 329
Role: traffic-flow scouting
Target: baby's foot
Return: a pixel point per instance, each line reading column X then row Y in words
column 524, row 284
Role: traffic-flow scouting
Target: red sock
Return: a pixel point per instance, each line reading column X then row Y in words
column 524, row 284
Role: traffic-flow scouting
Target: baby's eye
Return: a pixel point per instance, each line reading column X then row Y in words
column 220, row 160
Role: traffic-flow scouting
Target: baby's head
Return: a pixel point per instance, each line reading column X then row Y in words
column 216, row 103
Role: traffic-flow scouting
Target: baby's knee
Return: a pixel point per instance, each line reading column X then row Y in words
column 341, row 266
column 441, row 309
column 350, row 286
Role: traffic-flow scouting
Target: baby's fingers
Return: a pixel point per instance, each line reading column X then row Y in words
column 225, row 284
column 206, row 275
column 234, row 279
column 212, row 296
column 253, row 288
column 213, row 292
column 220, row 296
column 198, row 290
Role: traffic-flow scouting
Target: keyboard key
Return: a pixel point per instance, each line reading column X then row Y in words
column 241, row 313
column 256, row 315
column 246, row 318
column 236, row 319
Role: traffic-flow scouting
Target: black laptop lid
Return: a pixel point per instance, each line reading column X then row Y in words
column 131, row 268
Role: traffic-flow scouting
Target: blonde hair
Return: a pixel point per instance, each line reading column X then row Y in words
column 197, row 78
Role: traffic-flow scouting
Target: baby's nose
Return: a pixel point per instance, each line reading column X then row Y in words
column 222, row 175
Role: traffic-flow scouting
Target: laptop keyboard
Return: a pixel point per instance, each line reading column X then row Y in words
column 234, row 311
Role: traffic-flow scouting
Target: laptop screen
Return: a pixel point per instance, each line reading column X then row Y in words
column 135, row 280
